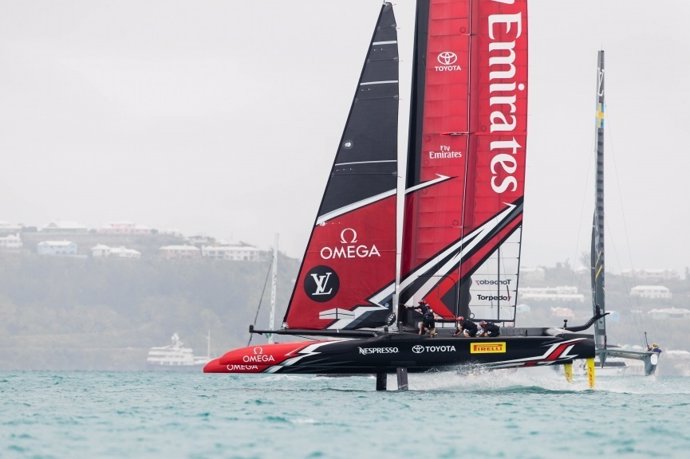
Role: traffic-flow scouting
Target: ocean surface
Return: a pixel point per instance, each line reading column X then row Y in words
column 530, row 413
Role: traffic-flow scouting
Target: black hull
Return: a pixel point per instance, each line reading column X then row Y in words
column 392, row 351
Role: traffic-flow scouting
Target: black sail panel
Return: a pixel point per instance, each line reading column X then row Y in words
column 365, row 164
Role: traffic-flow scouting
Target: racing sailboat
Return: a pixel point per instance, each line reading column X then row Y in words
column 603, row 349
column 462, row 219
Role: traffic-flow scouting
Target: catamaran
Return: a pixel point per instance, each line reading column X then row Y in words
column 604, row 350
column 462, row 209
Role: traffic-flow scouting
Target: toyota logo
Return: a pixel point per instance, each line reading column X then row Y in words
column 418, row 349
column 447, row 58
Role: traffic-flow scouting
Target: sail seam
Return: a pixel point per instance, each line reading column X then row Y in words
column 371, row 83
column 367, row 162
column 356, row 205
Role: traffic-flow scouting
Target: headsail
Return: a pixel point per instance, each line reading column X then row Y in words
column 347, row 275
column 466, row 164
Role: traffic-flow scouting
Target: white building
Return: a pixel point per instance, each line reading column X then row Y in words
column 65, row 227
column 173, row 252
column 532, row 274
column 652, row 275
column 125, row 228
column 9, row 228
column 561, row 293
column 650, row 291
column 231, row 252
column 200, row 240
column 103, row 251
column 670, row 313
column 11, row 243
column 563, row 313
column 56, row 248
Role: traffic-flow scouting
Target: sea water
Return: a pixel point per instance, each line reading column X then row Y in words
column 509, row 414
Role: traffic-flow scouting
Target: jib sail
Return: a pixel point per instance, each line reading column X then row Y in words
column 347, row 275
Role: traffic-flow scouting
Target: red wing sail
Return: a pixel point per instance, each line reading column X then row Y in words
column 466, row 163
column 347, row 275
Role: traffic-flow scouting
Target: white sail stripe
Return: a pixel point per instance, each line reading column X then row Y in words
column 419, row 186
column 368, row 162
column 369, row 83
column 355, row 205
column 484, row 232
column 388, row 42
column 478, row 235
column 383, row 294
column 358, row 311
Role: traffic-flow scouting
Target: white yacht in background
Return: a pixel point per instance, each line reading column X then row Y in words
column 176, row 356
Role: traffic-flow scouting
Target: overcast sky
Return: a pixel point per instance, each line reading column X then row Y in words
column 223, row 117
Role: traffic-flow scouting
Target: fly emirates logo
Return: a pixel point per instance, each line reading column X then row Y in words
column 504, row 31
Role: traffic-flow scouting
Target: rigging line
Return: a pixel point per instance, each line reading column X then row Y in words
column 627, row 282
column 468, row 139
column 256, row 316
column 620, row 198
column 585, row 191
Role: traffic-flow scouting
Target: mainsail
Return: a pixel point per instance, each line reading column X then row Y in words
column 347, row 277
column 466, row 165
column 597, row 251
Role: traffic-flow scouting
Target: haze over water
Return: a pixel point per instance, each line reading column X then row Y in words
column 524, row 414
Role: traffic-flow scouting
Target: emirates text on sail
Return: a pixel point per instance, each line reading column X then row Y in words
column 503, row 97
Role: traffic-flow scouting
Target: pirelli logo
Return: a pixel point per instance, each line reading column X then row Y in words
column 488, row 348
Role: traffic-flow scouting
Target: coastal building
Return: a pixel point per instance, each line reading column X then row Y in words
column 11, row 243
column 10, row 228
column 179, row 252
column 125, row 228
column 232, row 252
column 103, row 251
column 56, row 248
column 560, row 293
column 652, row 275
column 669, row 313
column 562, row 313
column 651, row 292
column 200, row 240
column 65, row 227
column 528, row 274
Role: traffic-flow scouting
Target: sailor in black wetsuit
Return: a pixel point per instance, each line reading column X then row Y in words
column 465, row 327
column 428, row 322
column 489, row 329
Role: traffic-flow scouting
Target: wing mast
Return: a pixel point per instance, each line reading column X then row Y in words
column 597, row 250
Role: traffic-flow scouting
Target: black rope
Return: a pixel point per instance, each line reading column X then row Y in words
column 261, row 299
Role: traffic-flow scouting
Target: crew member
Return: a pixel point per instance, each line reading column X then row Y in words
column 428, row 322
column 465, row 327
column 489, row 329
